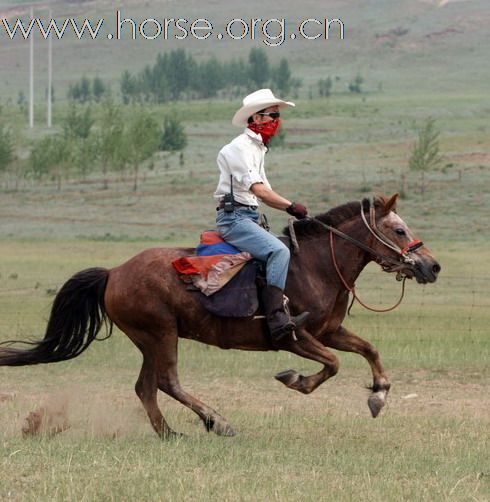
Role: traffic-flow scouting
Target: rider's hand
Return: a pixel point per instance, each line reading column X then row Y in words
column 297, row 210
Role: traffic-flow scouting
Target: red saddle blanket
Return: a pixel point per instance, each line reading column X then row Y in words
column 213, row 265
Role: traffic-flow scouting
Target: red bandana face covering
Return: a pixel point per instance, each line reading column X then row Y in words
column 267, row 130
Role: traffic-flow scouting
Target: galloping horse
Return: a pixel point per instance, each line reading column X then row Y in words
column 147, row 301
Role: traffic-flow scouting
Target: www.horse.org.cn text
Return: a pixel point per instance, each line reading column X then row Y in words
column 273, row 32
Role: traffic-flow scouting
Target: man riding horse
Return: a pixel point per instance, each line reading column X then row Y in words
column 242, row 186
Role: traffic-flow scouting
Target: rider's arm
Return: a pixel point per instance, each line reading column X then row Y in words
column 269, row 197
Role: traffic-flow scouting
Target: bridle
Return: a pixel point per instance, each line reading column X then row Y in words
column 387, row 263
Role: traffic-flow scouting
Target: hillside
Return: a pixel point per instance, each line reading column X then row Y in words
column 396, row 45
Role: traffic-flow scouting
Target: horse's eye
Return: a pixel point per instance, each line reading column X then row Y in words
column 400, row 231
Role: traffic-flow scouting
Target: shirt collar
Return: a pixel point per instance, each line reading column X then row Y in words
column 255, row 136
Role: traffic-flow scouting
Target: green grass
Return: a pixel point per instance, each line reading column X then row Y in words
column 336, row 150
column 308, row 466
column 431, row 446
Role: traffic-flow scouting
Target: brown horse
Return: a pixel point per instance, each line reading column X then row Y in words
column 147, row 301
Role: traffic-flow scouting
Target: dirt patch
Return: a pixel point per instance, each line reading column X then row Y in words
column 471, row 158
column 391, row 36
column 6, row 396
column 444, row 33
column 49, row 420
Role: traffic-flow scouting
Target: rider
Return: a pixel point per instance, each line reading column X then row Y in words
column 242, row 186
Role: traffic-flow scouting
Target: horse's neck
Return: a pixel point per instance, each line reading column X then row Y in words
column 350, row 259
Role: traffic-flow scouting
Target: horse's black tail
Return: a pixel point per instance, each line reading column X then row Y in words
column 77, row 315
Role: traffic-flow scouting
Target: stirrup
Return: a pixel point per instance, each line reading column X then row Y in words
column 297, row 320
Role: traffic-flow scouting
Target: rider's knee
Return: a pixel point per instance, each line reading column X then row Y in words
column 282, row 252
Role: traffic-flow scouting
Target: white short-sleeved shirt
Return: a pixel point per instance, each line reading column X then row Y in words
column 243, row 159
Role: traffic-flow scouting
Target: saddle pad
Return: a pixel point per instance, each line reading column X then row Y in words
column 238, row 297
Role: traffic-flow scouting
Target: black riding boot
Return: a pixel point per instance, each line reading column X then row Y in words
column 279, row 321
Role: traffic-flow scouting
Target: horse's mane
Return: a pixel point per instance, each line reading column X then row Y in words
column 334, row 217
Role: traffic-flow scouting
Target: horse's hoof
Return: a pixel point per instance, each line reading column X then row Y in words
column 376, row 401
column 223, row 429
column 288, row 377
column 172, row 435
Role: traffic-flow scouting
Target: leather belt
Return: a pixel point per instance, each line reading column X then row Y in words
column 236, row 204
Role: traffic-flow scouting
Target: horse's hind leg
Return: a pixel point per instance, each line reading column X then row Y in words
column 344, row 340
column 146, row 389
column 168, row 382
column 308, row 347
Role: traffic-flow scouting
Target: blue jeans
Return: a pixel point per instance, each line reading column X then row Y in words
column 241, row 229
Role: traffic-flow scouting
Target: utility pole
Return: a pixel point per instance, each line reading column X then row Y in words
column 31, row 76
column 50, row 72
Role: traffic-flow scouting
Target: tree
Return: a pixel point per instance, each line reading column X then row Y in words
column 325, row 87
column 281, row 77
column 173, row 137
column 235, row 73
column 99, row 89
column 77, row 127
column 425, row 151
column 50, row 156
column 85, row 90
column 6, row 148
column 209, row 78
column 140, row 142
column 296, row 83
column 83, row 154
column 109, row 137
column 128, row 87
column 178, row 75
column 80, row 91
column 355, row 85
column 9, row 161
column 78, row 122
column 258, row 69
column 22, row 102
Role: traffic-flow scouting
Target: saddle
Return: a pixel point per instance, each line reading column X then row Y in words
column 227, row 280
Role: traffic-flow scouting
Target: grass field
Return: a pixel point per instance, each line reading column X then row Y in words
column 432, row 441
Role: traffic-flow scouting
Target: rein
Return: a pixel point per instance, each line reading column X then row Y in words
column 388, row 263
column 352, row 289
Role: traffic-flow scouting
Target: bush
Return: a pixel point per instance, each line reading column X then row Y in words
column 173, row 136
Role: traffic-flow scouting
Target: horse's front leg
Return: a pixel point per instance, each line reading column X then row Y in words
column 310, row 348
column 344, row 340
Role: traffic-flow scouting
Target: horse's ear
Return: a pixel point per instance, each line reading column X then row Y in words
column 390, row 205
column 386, row 204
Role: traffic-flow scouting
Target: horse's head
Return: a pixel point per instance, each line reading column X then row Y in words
column 415, row 259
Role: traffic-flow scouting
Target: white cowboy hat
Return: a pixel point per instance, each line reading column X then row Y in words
column 258, row 100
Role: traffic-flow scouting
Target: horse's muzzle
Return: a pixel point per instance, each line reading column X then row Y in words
column 426, row 269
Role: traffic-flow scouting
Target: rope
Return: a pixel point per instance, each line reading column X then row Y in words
column 292, row 235
column 352, row 289
column 372, row 228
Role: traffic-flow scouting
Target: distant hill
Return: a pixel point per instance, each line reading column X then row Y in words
column 396, row 45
